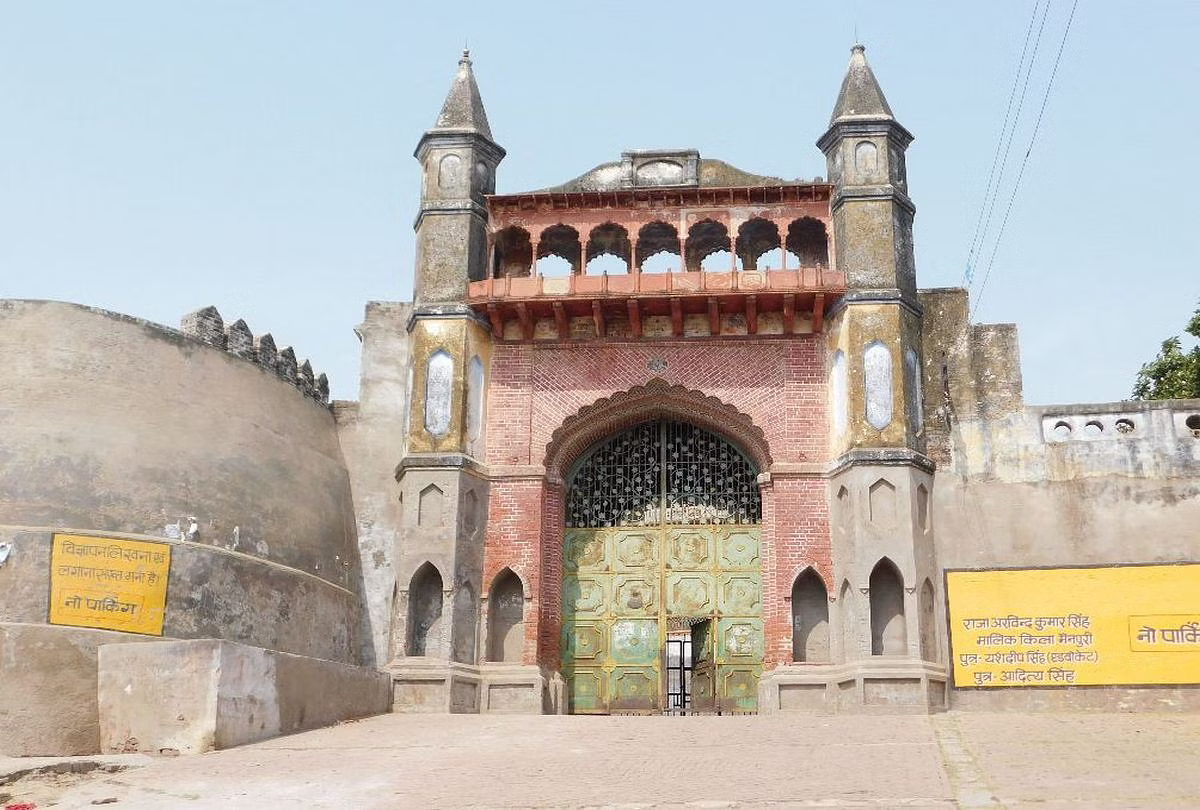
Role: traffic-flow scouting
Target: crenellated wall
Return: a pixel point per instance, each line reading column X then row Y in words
column 208, row 326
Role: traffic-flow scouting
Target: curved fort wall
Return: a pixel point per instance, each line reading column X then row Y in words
column 119, row 428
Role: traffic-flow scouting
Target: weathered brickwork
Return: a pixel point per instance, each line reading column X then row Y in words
column 514, row 541
column 778, row 385
column 795, row 537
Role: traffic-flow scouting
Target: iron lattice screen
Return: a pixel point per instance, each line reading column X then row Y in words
column 664, row 472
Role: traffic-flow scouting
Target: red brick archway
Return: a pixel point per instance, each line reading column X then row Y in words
column 596, row 422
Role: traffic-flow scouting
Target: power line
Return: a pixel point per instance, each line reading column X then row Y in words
column 990, row 205
column 1032, row 138
column 987, row 191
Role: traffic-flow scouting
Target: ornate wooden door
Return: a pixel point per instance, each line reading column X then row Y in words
column 631, row 562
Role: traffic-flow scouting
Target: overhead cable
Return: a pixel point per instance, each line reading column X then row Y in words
column 987, row 192
column 1024, row 162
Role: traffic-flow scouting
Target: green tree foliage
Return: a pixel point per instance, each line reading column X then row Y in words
column 1174, row 374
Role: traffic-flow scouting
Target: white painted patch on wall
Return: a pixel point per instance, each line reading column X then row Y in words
column 866, row 158
column 5, row 550
column 877, row 372
column 659, row 173
column 439, row 392
column 839, row 405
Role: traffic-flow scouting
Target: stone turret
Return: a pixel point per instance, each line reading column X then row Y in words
column 884, row 557
column 864, row 148
column 458, row 159
column 442, row 488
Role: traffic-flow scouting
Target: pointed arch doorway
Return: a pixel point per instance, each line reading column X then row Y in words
column 661, row 545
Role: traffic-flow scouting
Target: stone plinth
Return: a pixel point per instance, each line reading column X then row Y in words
column 883, row 684
column 196, row 696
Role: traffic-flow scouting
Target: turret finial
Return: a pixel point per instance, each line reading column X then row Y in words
column 860, row 96
column 463, row 110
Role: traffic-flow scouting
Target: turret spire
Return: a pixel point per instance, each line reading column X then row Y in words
column 860, row 96
column 459, row 160
column 463, row 110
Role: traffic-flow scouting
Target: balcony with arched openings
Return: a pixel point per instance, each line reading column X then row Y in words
column 596, row 259
column 561, row 243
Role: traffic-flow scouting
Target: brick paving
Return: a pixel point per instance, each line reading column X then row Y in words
column 770, row 761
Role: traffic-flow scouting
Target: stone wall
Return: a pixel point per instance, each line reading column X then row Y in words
column 190, row 697
column 114, row 424
column 115, row 427
column 372, row 433
column 1054, row 485
column 1018, row 493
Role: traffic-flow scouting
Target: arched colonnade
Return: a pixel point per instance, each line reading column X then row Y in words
column 709, row 244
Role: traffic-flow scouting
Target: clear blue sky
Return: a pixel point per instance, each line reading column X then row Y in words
column 156, row 157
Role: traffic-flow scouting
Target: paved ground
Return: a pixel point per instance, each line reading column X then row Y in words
column 422, row 761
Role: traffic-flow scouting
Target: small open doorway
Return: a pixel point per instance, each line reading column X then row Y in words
column 688, row 663
column 678, row 666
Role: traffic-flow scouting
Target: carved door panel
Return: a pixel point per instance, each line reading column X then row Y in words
column 635, row 674
column 739, row 632
column 587, row 597
column 662, row 528
column 612, row 634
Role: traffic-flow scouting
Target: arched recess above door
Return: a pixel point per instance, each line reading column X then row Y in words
column 657, row 399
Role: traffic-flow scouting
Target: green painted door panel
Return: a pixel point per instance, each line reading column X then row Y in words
column 620, row 587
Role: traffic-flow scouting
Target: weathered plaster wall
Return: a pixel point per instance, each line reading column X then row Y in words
column 1058, row 485
column 1013, row 496
column 116, row 427
column 48, row 682
column 114, row 424
column 213, row 593
column 196, row 696
column 372, row 433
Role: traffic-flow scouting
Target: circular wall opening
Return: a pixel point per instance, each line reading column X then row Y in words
column 1125, row 426
column 1093, row 429
column 1061, row 430
column 1193, row 424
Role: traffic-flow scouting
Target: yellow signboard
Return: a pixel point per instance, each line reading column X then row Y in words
column 1137, row 624
column 109, row 584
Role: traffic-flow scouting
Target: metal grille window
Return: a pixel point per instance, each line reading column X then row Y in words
column 664, row 472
